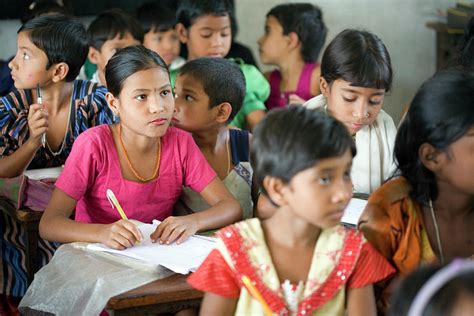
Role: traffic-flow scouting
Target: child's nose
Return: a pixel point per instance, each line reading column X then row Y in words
column 360, row 111
column 343, row 193
column 12, row 64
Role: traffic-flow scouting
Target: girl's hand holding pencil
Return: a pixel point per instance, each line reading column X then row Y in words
column 123, row 233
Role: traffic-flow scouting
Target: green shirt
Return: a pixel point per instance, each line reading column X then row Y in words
column 257, row 90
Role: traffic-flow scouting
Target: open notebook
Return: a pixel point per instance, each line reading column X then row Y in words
column 353, row 212
column 183, row 258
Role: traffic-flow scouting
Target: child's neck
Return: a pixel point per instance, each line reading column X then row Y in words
column 139, row 143
column 211, row 140
column 451, row 203
column 290, row 70
column 57, row 96
column 290, row 230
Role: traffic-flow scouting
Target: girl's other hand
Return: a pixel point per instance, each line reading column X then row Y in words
column 294, row 99
column 121, row 235
column 37, row 123
column 174, row 229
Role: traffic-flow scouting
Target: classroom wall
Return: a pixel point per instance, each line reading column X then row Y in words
column 399, row 23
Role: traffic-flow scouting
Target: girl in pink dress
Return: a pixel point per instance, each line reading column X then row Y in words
column 141, row 159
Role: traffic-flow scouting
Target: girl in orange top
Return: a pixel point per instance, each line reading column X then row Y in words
column 427, row 213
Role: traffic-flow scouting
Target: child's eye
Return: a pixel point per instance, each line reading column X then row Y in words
column 206, row 35
column 324, row 180
column 166, row 93
column 225, row 34
column 189, row 98
column 347, row 175
column 349, row 99
column 25, row 56
column 140, row 97
column 375, row 102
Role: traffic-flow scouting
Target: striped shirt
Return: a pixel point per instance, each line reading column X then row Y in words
column 88, row 108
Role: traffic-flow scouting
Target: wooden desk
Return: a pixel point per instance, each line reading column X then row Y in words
column 167, row 295
column 30, row 221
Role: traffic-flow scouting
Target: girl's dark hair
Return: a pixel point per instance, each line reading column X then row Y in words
column 109, row 24
column 189, row 10
column 157, row 16
column 221, row 79
column 442, row 302
column 128, row 61
column 288, row 141
column 358, row 57
column 441, row 113
column 306, row 20
column 61, row 38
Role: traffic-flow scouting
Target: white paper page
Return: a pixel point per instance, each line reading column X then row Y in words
column 44, row 173
column 182, row 258
column 353, row 211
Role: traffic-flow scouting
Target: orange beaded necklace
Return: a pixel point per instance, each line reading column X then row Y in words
column 135, row 173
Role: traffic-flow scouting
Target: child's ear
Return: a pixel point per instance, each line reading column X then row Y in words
column 224, row 110
column 294, row 40
column 113, row 103
column 93, row 55
column 182, row 33
column 431, row 157
column 60, row 71
column 274, row 188
column 324, row 86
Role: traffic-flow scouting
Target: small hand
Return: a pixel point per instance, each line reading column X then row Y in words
column 121, row 234
column 175, row 228
column 38, row 122
column 294, row 99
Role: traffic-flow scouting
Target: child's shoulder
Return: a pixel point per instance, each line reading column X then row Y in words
column 99, row 134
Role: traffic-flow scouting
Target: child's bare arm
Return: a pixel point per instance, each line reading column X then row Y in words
column 213, row 304
column 56, row 225
column 361, row 302
column 16, row 163
column 253, row 118
column 224, row 210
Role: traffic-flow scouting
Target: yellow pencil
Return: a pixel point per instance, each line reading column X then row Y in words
column 256, row 294
column 115, row 204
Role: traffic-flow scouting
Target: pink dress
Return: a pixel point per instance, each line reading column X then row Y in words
column 93, row 167
column 279, row 99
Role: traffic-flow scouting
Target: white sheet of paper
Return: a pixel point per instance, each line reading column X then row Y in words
column 183, row 258
column 353, row 211
column 44, row 173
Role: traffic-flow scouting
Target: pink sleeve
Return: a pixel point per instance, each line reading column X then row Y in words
column 371, row 267
column 215, row 276
column 197, row 171
column 80, row 168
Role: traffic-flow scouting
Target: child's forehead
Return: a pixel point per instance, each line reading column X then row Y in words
column 212, row 19
column 190, row 81
column 25, row 41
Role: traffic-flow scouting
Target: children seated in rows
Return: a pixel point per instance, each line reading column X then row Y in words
column 302, row 160
column 141, row 159
column 205, row 28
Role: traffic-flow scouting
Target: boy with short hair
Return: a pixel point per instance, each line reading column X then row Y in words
column 50, row 52
column 110, row 31
column 209, row 93
column 158, row 20
column 205, row 27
